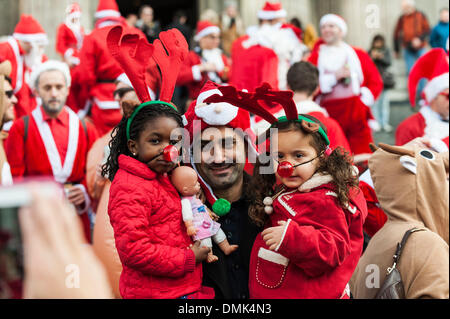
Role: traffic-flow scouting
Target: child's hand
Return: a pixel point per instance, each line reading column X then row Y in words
column 200, row 252
column 272, row 236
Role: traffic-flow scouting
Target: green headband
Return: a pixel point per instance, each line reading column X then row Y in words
column 303, row 118
column 136, row 111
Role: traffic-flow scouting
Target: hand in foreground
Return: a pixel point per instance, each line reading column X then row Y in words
column 58, row 263
column 200, row 252
column 272, row 236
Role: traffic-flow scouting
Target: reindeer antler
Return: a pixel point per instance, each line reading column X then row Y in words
column 243, row 100
column 284, row 98
column 132, row 53
column 170, row 61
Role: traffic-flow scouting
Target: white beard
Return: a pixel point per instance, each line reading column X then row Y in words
column 34, row 58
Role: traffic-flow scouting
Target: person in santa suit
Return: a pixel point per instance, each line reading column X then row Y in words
column 25, row 50
column 349, row 84
column 273, row 34
column 98, row 70
column 69, row 40
column 7, row 102
column 52, row 141
column 206, row 62
column 303, row 80
column 432, row 119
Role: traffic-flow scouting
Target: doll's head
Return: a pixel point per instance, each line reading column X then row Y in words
column 185, row 180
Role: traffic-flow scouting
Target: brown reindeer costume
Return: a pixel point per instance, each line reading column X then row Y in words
column 412, row 187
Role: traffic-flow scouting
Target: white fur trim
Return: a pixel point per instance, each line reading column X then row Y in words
column 306, row 107
column 207, row 31
column 284, row 234
column 436, row 86
column 107, row 105
column 438, row 145
column 366, row 96
column 335, row 19
column 50, row 65
column 106, row 13
column 272, row 257
column 40, row 38
column 61, row 172
column 409, row 163
column 367, row 178
column 196, row 74
column 68, row 54
column 330, row 193
column 351, row 209
column 315, row 181
column 214, row 113
column 7, row 179
column 285, row 205
column 271, row 15
column 19, row 60
column 435, row 127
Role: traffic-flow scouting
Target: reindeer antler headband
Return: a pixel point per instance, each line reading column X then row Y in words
column 252, row 102
column 133, row 54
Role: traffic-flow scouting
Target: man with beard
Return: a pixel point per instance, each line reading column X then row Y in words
column 25, row 50
column 52, row 141
column 221, row 146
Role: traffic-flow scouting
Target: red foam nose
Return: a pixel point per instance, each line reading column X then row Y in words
column 170, row 153
column 285, row 169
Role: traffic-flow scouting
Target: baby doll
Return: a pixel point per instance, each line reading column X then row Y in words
column 196, row 216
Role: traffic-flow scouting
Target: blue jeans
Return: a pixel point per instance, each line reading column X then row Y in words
column 410, row 58
column 381, row 108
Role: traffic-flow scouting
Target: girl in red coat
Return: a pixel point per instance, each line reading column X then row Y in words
column 313, row 214
column 158, row 258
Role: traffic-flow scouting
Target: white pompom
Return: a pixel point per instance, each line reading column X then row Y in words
column 268, row 201
column 268, row 210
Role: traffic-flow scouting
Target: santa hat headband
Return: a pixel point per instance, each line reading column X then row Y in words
column 50, row 65
column 433, row 66
column 107, row 8
column 132, row 52
column 30, row 30
column 335, row 19
column 271, row 11
column 205, row 28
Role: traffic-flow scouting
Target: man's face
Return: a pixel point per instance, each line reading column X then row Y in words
column 444, row 16
column 210, row 41
column 147, row 15
column 407, row 7
column 223, row 157
column 331, row 33
column 53, row 91
column 9, row 100
column 440, row 104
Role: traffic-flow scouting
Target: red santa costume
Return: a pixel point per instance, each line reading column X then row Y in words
column 191, row 75
column 335, row 133
column 434, row 66
column 27, row 30
column 281, row 39
column 350, row 103
column 98, row 70
column 39, row 145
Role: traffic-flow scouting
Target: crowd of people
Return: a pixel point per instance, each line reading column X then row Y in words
column 270, row 154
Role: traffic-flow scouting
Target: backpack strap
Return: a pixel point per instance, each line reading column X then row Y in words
column 26, row 121
column 400, row 247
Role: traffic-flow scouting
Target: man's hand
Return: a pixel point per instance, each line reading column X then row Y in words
column 342, row 73
column 416, row 43
column 207, row 67
column 76, row 196
column 272, row 236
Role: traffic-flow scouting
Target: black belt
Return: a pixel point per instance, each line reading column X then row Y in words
column 106, row 81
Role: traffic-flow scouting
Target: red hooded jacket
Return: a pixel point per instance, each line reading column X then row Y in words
column 151, row 239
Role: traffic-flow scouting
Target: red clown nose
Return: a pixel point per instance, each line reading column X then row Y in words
column 285, row 169
column 170, row 153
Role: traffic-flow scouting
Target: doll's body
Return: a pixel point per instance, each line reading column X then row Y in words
column 196, row 216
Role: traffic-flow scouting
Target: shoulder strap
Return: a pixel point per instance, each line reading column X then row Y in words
column 401, row 245
column 84, row 127
column 26, row 120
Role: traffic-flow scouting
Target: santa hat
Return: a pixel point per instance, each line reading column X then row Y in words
column 50, row 65
column 271, row 11
column 433, row 66
column 335, row 19
column 30, row 30
column 107, row 8
column 201, row 115
column 205, row 28
column 73, row 10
